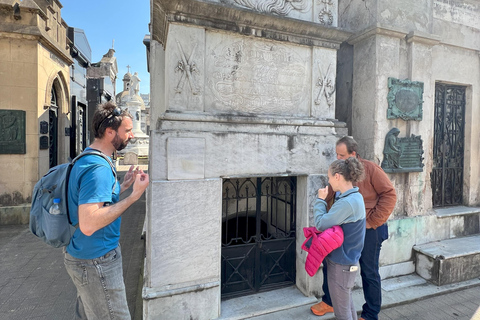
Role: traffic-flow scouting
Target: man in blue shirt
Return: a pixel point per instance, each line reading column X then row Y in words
column 93, row 258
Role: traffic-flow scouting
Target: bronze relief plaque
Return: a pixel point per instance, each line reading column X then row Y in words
column 405, row 99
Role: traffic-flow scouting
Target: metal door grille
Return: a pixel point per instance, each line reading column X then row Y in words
column 448, row 145
column 258, row 234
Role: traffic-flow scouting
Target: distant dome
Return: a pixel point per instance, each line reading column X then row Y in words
column 123, row 97
column 127, row 76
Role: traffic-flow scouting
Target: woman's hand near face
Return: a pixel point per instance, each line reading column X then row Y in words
column 322, row 193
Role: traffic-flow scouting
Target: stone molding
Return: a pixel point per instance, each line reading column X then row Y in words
column 155, row 293
column 233, row 119
column 242, row 21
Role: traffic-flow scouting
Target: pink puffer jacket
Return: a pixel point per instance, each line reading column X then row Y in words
column 319, row 244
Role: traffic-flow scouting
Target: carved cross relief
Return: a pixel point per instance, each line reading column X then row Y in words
column 327, row 86
column 188, row 68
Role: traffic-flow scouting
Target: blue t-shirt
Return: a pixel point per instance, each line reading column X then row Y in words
column 92, row 181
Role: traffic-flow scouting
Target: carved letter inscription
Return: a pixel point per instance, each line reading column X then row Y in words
column 260, row 77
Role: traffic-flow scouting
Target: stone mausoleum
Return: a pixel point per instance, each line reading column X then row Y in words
column 247, row 101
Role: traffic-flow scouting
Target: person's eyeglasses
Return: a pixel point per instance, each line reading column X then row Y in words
column 115, row 113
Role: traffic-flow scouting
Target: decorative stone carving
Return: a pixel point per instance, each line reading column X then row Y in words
column 280, row 7
column 402, row 154
column 134, row 85
column 405, row 99
column 12, row 132
column 327, row 87
column 326, row 16
column 188, row 68
column 252, row 76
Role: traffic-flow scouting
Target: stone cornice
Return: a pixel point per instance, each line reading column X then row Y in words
column 377, row 30
column 245, row 22
column 424, row 38
column 411, row 37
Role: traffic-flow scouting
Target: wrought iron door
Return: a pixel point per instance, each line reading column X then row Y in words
column 258, row 234
column 448, row 145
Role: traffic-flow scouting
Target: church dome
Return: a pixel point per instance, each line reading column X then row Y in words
column 127, row 76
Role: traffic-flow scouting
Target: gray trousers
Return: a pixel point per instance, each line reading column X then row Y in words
column 340, row 283
column 100, row 287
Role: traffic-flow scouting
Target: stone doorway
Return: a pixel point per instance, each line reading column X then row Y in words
column 258, row 234
column 448, row 145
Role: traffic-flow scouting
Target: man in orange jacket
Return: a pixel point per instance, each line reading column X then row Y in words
column 380, row 198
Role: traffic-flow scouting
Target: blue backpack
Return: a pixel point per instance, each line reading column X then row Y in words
column 56, row 230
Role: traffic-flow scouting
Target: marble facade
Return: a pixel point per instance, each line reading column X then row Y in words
column 242, row 88
column 259, row 101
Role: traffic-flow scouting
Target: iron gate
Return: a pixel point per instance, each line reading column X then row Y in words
column 448, row 145
column 258, row 234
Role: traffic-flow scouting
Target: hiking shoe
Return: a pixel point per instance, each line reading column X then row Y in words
column 321, row 308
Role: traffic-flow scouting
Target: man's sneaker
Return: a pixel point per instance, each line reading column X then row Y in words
column 321, row 308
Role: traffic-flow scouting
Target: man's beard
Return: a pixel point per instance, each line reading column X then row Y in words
column 118, row 144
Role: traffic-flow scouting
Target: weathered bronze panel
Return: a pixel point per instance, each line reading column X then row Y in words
column 12, row 132
column 405, row 99
column 402, row 154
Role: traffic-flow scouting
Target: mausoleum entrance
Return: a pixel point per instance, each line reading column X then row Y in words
column 258, row 234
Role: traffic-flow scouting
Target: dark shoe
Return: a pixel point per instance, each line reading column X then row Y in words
column 321, row 308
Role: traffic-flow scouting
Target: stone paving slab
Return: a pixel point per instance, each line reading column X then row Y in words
column 457, row 301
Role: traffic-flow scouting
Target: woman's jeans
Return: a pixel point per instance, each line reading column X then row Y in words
column 100, row 287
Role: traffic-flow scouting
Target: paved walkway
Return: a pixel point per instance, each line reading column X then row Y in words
column 34, row 283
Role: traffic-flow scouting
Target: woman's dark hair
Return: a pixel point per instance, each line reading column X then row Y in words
column 351, row 169
column 107, row 115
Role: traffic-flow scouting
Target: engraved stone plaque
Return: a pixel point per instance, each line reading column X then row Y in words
column 402, row 154
column 405, row 99
column 252, row 76
column 12, row 132
column 186, row 158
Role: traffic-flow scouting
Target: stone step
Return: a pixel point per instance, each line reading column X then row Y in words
column 449, row 261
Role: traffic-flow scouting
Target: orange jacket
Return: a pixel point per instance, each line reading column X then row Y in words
column 377, row 191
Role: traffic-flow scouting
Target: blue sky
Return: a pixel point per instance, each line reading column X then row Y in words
column 126, row 22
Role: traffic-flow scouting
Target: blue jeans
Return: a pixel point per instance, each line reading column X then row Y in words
column 100, row 287
column 369, row 265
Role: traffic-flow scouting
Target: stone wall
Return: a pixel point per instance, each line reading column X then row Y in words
column 427, row 41
column 238, row 90
column 34, row 62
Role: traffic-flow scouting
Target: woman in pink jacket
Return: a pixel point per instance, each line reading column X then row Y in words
column 348, row 212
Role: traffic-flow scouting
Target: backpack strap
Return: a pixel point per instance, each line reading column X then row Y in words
column 101, row 154
column 70, row 166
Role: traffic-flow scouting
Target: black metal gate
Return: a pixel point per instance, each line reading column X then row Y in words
column 448, row 145
column 258, row 234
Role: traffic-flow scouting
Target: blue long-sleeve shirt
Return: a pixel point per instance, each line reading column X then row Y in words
column 348, row 211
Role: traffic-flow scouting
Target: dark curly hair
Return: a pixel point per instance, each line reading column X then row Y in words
column 351, row 169
column 107, row 116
